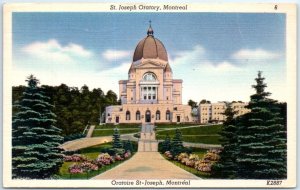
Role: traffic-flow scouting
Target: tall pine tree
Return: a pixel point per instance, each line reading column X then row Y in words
column 166, row 144
column 261, row 138
column 116, row 139
column 176, row 144
column 35, row 139
column 226, row 167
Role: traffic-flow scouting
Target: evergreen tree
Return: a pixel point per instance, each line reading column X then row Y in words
column 166, row 144
column 35, row 139
column 261, row 138
column 192, row 103
column 128, row 146
column 74, row 107
column 226, row 167
column 116, row 139
column 176, row 145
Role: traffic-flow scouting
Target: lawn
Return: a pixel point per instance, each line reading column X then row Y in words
column 201, row 130
column 199, row 151
column 91, row 153
column 167, row 125
column 120, row 126
column 201, row 134
column 202, row 139
column 110, row 132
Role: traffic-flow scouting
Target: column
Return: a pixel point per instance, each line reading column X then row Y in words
column 156, row 94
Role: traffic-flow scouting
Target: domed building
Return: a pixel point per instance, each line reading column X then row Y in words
column 150, row 95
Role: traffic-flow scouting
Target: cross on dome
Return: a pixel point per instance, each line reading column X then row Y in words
column 150, row 31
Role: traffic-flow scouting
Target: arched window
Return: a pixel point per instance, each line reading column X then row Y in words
column 157, row 115
column 149, row 87
column 149, row 77
column 138, row 115
column 127, row 115
column 168, row 115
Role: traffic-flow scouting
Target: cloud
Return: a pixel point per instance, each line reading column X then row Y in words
column 54, row 51
column 193, row 56
column 111, row 55
column 199, row 59
column 106, row 79
column 219, row 67
column 254, row 54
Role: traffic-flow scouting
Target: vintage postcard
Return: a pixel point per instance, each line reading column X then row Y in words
column 149, row 95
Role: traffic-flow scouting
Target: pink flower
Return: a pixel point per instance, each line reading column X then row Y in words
column 127, row 154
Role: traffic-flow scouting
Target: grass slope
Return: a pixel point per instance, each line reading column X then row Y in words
column 201, row 134
column 120, row 126
column 110, row 132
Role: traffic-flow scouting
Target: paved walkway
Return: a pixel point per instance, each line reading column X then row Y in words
column 90, row 131
column 146, row 165
column 86, row 142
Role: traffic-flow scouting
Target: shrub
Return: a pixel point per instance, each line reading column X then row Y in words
column 168, row 155
column 194, row 157
column 104, row 159
column 212, row 155
column 87, row 166
column 190, row 163
column 127, row 154
column 74, row 158
column 118, row 157
column 181, row 156
column 75, row 168
column 208, row 160
column 203, row 165
column 70, row 152
column 119, row 151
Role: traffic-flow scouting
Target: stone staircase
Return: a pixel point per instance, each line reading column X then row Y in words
column 147, row 141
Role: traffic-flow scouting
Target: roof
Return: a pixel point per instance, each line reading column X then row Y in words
column 131, row 69
column 150, row 48
column 168, row 68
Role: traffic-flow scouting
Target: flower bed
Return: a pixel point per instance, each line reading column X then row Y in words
column 83, row 166
column 74, row 158
column 193, row 160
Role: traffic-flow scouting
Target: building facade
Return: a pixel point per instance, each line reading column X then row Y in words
column 150, row 94
column 213, row 112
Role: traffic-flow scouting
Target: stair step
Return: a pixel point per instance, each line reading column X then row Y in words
column 147, row 141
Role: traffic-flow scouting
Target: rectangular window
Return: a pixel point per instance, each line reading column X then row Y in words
column 149, row 97
column 145, row 97
column 154, row 97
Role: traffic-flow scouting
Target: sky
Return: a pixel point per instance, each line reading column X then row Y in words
column 217, row 55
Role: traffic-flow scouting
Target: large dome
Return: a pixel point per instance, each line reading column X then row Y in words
column 150, row 48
